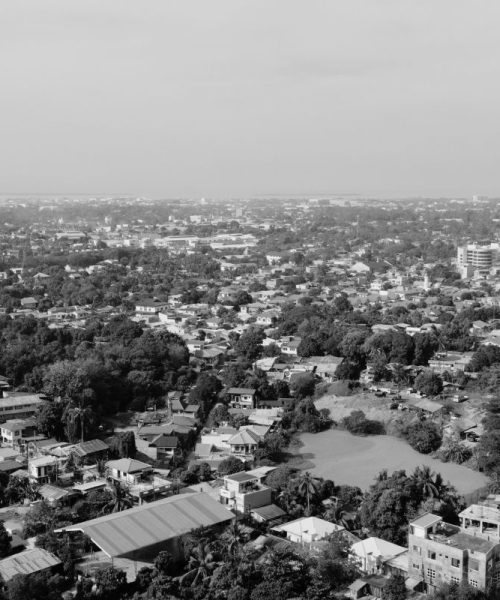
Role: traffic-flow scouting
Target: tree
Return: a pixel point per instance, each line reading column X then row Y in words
column 308, row 488
column 122, row 445
column 163, row 563
column 249, row 345
column 357, row 424
column 120, row 500
column 49, row 419
column 395, row 588
column 78, row 420
column 429, row 383
column 424, row 436
column 111, row 583
column 4, row 541
column 231, row 465
column 303, row 385
column 201, row 564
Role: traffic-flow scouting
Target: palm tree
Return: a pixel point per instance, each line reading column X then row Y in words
column 120, row 500
column 77, row 418
column 233, row 536
column 201, row 564
column 308, row 487
column 424, row 478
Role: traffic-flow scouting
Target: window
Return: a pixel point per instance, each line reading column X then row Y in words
column 455, row 562
column 455, row 580
column 416, row 566
column 417, row 549
column 431, row 554
column 431, row 573
column 473, row 564
column 473, row 582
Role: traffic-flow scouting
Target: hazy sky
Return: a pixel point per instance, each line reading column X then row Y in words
column 238, row 98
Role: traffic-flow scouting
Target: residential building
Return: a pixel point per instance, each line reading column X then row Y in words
column 372, row 554
column 439, row 552
column 15, row 432
column 43, row 469
column 307, row 530
column 243, row 491
column 128, row 470
column 241, row 397
column 18, row 405
column 244, row 442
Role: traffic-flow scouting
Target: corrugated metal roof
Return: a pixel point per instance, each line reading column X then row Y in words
column 27, row 562
column 89, row 447
column 143, row 526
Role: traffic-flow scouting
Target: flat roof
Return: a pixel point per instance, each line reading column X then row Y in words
column 426, row 520
column 138, row 528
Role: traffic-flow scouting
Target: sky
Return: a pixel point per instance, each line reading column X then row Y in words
column 242, row 98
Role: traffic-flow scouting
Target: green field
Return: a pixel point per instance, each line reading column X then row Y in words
column 354, row 460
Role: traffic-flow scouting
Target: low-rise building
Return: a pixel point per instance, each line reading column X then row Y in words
column 439, row 552
column 243, row 491
column 241, row 397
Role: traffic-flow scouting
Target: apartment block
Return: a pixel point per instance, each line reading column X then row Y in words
column 439, row 552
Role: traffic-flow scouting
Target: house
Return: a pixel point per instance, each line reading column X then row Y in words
column 166, row 446
column 244, row 442
column 372, row 553
column 43, row 469
column 28, row 562
column 307, row 530
column 243, row 491
column 18, row 405
column 55, row 496
column 150, row 306
column 140, row 533
column 241, row 397
column 128, row 470
column 29, row 302
column 91, row 451
column 15, row 432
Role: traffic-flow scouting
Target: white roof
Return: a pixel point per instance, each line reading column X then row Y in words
column 310, row 525
column 374, row 546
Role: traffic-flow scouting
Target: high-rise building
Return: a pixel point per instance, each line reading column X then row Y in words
column 478, row 255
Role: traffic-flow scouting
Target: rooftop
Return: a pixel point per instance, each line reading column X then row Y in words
column 426, row 520
column 26, row 563
column 138, row 528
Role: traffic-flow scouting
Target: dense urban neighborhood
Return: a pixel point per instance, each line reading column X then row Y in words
column 244, row 400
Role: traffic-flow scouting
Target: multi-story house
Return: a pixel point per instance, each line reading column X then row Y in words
column 241, row 397
column 243, row 491
column 439, row 552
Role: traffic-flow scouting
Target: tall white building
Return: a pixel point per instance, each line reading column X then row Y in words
column 478, row 255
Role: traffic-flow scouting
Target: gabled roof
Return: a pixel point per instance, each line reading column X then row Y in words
column 144, row 526
column 128, row 465
column 90, row 447
column 164, row 441
column 26, row 563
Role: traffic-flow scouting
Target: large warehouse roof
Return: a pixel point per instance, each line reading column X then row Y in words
column 131, row 530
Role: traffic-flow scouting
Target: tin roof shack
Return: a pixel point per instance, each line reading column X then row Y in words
column 29, row 562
